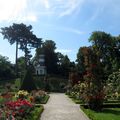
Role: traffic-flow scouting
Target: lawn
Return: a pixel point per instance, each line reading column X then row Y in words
column 111, row 110
column 45, row 99
column 105, row 114
column 36, row 113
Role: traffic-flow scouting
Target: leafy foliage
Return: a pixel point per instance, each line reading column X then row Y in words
column 48, row 49
column 28, row 82
column 107, row 48
column 55, row 62
column 6, row 68
column 22, row 36
column 113, row 86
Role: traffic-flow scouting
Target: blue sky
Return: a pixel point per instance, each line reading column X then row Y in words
column 67, row 22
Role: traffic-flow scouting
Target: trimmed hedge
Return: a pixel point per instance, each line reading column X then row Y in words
column 28, row 82
column 36, row 113
column 42, row 100
column 105, row 105
column 45, row 99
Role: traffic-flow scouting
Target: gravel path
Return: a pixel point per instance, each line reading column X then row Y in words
column 60, row 107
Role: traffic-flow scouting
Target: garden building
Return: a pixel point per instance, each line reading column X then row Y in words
column 40, row 68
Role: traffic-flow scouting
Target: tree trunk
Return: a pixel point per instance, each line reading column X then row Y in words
column 26, row 57
column 16, row 62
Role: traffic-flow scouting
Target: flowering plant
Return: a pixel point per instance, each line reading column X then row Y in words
column 22, row 94
column 18, row 108
column 38, row 95
column 5, row 97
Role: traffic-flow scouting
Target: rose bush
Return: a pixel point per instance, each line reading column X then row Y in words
column 18, row 108
column 38, row 95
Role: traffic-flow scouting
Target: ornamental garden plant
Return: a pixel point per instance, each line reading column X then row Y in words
column 21, row 105
column 90, row 91
column 99, row 86
column 14, row 108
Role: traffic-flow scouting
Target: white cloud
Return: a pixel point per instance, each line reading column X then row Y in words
column 20, row 10
column 46, row 3
column 68, row 29
column 72, row 30
column 9, row 9
column 71, row 6
column 64, row 51
column 58, row 8
column 31, row 18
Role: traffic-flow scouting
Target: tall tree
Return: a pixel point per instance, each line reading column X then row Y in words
column 115, row 53
column 65, row 66
column 6, row 68
column 22, row 36
column 103, row 44
column 48, row 49
column 21, row 65
column 93, row 79
column 80, row 60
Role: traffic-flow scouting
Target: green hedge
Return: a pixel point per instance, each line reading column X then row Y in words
column 42, row 100
column 36, row 113
column 45, row 99
column 55, row 84
column 105, row 105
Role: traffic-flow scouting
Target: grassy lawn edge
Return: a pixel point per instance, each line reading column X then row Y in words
column 88, row 113
column 36, row 113
column 105, row 114
column 45, row 100
column 74, row 100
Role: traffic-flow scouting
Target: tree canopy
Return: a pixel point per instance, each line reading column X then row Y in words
column 23, row 36
column 6, row 68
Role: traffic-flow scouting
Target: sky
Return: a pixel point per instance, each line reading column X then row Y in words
column 67, row 22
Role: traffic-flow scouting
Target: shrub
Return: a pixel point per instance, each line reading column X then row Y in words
column 38, row 95
column 113, row 86
column 28, row 82
column 36, row 113
column 15, row 110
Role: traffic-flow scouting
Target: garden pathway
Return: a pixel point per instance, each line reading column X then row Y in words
column 60, row 107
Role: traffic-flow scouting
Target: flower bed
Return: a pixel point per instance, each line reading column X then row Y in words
column 35, row 113
column 22, row 105
column 40, row 97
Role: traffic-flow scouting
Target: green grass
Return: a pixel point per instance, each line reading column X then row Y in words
column 45, row 99
column 75, row 100
column 36, row 113
column 105, row 114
